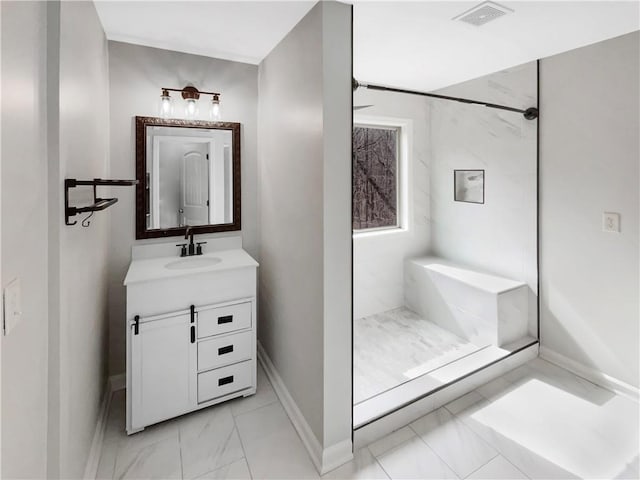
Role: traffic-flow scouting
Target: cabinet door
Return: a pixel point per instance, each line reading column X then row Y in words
column 162, row 361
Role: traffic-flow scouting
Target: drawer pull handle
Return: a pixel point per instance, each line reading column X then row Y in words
column 225, row 380
column 225, row 319
column 227, row 349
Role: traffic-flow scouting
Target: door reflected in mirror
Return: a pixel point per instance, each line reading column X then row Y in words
column 190, row 176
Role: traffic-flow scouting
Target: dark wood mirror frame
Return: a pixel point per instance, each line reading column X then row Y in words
column 141, row 167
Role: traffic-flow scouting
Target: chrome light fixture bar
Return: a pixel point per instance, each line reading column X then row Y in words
column 191, row 95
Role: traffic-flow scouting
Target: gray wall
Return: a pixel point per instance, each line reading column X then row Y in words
column 83, row 153
column 54, row 63
column 24, row 237
column 589, row 164
column 136, row 76
column 305, row 231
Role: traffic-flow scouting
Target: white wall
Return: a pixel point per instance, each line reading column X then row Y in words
column 24, row 237
column 137, row 74
column 499, row 236
column 589, row 163
column 305, row 231
column 378, row 257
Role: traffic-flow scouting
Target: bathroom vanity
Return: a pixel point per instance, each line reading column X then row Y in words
column 191, row 330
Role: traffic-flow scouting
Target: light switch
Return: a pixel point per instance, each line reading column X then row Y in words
column 611, row 222
column 12, row 304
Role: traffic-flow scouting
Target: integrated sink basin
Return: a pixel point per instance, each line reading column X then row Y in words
column 192, row 262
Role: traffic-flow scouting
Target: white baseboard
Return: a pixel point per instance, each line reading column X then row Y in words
column 591, row 374
column 91, row 468
column 324, row 460
column 336, row 455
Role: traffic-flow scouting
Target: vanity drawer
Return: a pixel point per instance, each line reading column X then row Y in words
column 214, row 321
column 225, row 380
column 219, row 351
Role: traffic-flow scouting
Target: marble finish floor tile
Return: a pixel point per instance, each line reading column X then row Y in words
column 537, row 421
column 234, row 471
column 112, row 436
column 465, row 401
column 413, row 460
column 550, row 423
column 494, row 388
column 392, row 440
column 509, row 442
column 363, row 466
column 272, row 446
column 393, row 347
column 498, row 469
column 448, row 437
column 159, row 460
column 264, row 395
column 208, row 440
column 149, row 436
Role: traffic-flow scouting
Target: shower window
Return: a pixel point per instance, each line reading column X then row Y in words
column 376, row 185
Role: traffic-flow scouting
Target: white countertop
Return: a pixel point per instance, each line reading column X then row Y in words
column 149, row 269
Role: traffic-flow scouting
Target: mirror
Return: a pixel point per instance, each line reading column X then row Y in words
column 189, row 175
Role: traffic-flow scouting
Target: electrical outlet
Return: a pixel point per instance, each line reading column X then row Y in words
column 12, row 305
column 611, row 222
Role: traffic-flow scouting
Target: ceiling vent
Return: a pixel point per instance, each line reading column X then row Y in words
column 483, row 13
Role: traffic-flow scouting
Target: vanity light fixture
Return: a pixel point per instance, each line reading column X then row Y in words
column 191, row 95
column 214, row 110
column 166, row 104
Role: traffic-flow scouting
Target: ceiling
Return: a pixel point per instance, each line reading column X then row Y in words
column 243, row 31
column 416, row 45
column 412, row 45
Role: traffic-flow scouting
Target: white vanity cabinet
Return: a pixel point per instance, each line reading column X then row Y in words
column 191, row 335
column 161, row 366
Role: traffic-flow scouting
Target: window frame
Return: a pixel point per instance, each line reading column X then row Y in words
column 402, row 127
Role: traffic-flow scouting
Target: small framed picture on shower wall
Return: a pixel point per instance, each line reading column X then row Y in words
column 468, row 186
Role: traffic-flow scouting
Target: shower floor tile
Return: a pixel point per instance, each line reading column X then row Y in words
column 396, row 346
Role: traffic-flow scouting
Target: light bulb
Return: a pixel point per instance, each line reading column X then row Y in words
column 191, row 108
column 166, row 106
column 214, row 109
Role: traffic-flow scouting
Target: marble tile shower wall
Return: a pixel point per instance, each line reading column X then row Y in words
column 500, row 235
column 378, row 259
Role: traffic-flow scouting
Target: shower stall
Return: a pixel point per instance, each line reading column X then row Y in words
column 445, row 250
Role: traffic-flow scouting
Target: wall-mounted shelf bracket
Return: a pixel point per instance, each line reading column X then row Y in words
column 98, row 203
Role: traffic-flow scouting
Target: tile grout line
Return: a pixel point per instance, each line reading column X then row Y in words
column 180, row 452
column 467, row 428
column 483, row 465
column 218, row 467
column 244, row 452
column 432, row 450
column 378, row 461
column 254, row 408
column 117, row 446
column 515, row 466
column 500, row 453
column 113, row 466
